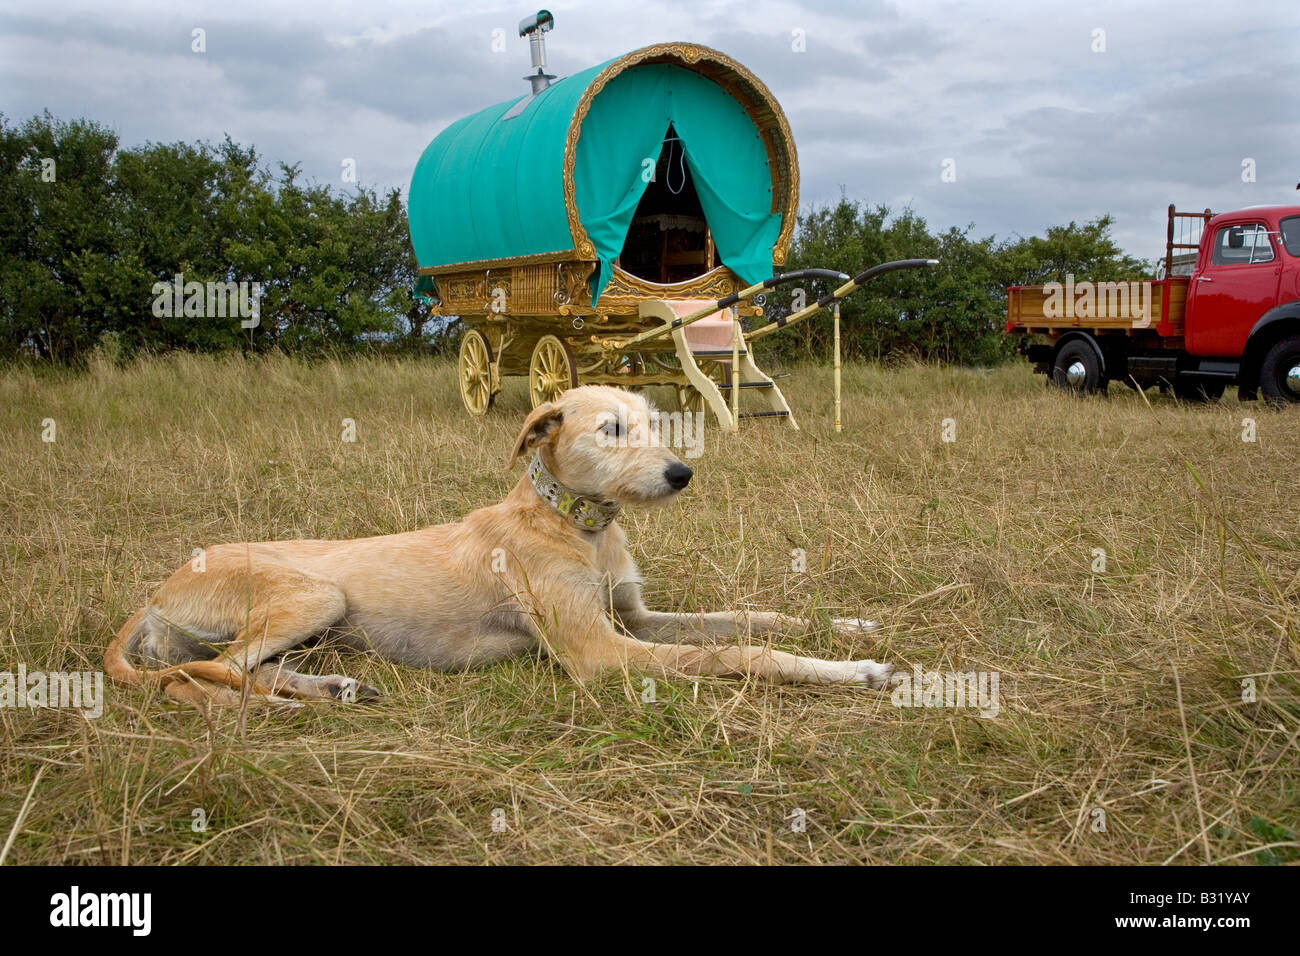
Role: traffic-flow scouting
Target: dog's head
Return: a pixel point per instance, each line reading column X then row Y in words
column 605, row 442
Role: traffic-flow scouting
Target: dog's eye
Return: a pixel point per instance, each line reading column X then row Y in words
column 610, row 429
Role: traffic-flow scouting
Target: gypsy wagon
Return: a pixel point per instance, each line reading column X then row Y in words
column 614, row 226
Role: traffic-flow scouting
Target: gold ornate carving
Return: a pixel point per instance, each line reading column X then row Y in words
column 461, row 289
column 502, row 285
column 625, row 286
column 574, row 277
column 539, row 289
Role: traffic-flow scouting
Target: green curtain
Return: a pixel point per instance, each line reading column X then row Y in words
column 624, row 131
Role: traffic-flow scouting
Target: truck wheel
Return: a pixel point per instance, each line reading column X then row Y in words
column 1190, row 390
column 1279, row 374
column 1077, row 369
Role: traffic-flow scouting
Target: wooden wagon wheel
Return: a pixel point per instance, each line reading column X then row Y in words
column 551, row 371
column 475, row 366
column 689, row 398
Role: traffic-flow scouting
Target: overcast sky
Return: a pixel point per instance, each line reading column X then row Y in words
column 1042, row 128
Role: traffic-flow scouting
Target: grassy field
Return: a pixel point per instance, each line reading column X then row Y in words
column 1122, row 734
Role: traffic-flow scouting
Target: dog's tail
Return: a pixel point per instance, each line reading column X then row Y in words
column 116, row 665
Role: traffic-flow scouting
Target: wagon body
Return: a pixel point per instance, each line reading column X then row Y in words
column 539, row 195
column 565, row 226
column 545, row 221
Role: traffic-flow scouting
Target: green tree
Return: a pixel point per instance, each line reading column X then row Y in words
column 951, row 313
column 57, row 210
column 82, row 253
column 1087, row 251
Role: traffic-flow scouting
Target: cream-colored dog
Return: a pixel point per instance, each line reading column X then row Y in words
column 548, row 564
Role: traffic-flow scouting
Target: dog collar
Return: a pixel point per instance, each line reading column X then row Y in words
column 586, row 513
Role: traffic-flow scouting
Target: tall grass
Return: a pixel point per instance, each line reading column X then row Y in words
column 1115, row 685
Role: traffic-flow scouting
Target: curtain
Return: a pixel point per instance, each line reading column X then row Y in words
column 620, row 142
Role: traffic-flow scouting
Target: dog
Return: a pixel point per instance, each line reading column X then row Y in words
column 548, row 565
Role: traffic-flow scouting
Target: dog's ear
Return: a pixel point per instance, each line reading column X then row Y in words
column 539, row 427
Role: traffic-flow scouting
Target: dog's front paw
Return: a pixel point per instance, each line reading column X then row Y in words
column 854, row 626
column 873, row 674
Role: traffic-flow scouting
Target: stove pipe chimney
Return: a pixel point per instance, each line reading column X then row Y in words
column 533, row 27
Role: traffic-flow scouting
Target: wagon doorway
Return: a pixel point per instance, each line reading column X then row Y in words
column 668, row 240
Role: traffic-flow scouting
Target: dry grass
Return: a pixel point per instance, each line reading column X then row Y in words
column 977, row 554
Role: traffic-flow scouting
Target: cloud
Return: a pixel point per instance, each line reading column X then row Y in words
column 1042, row 126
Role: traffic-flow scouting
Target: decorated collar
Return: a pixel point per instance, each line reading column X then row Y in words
column 586, row 513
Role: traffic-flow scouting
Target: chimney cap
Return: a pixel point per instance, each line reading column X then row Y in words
column 543, row 21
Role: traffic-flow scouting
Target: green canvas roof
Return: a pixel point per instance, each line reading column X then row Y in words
column 492, row 185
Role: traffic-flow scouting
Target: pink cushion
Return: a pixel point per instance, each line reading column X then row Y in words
column 709, row 333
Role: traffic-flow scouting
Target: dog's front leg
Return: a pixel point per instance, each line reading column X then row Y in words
column 706, row 627
column 589, row 644
column 733, row 660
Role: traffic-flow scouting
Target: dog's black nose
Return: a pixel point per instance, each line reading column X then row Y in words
column 678, row 475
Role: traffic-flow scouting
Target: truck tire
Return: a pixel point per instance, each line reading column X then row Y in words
column 1279, row 373
column 1077, row 369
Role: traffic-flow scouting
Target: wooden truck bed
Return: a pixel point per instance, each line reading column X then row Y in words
column 1027, row 308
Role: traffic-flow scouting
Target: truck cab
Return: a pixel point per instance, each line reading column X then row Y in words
column 1247, row 265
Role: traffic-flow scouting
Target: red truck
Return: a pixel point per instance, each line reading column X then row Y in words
column 1234, row 320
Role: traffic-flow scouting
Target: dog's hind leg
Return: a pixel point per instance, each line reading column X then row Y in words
column 205, row 695
column 285, row 609
column 283, row 679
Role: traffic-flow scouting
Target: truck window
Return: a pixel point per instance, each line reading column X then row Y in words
column 1241, row 244
column 1291, row 235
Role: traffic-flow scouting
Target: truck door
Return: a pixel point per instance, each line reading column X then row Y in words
column 1232, row 289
